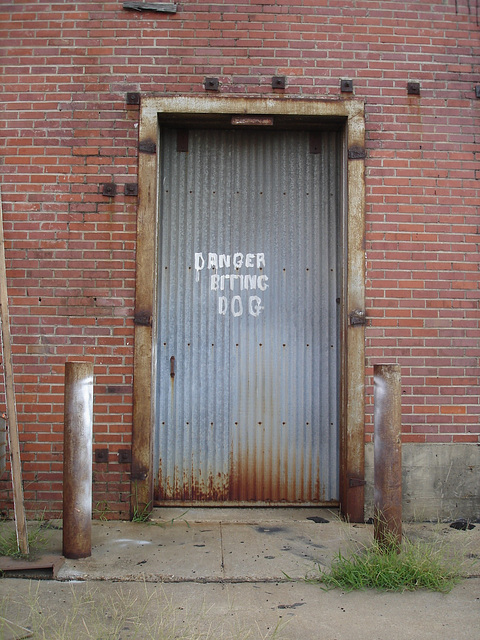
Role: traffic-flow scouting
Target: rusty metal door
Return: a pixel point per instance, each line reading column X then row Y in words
column 248, row 317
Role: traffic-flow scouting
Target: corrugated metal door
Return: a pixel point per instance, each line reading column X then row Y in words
column 247, row 324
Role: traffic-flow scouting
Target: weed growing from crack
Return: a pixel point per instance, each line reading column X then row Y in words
column 141, row 514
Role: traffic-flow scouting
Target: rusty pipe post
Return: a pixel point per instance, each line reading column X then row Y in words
column 77, row 460
column 388, row 455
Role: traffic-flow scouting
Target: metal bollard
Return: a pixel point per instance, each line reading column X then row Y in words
column 77, row 460
column 388, row 455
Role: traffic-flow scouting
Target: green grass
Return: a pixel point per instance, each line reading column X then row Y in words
column 37, row 540
column 415, row 565
column 141, row 514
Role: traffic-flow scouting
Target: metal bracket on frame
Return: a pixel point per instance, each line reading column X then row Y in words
column 356, row 482
column 357, row 317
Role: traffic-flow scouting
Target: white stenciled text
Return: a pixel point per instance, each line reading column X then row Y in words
column 236, row 282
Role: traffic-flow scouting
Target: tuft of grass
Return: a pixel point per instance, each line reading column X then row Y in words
column 388, row 567
column 141, row 514
column 37, row 540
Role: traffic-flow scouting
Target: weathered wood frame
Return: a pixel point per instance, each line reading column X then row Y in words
column 352, row 438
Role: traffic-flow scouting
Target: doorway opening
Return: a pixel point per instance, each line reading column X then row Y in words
column 254, row 238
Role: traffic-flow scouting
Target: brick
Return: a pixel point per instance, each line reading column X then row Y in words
column 454, row 409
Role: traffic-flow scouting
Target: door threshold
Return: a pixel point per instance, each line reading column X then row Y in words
column 211, row 504
column 250, row 515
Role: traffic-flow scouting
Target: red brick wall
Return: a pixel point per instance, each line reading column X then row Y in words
column 70, row 250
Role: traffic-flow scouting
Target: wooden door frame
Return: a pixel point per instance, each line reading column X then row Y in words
column 352, row 401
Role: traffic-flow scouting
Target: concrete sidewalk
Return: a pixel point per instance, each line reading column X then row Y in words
column 234, row 545
column 237, row 573
column 213, row 545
